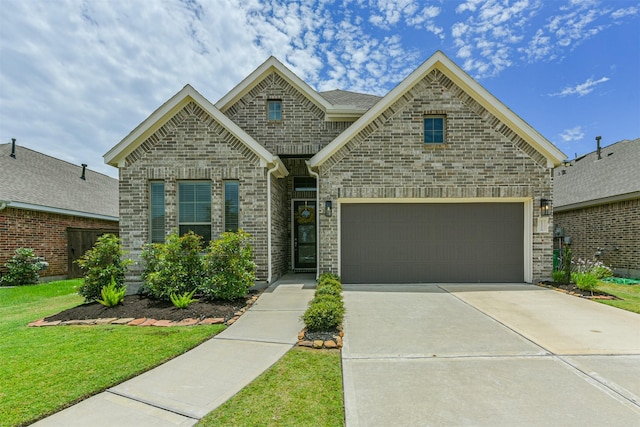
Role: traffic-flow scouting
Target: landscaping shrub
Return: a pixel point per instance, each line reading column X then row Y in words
column 330, row 282
column 567, row 256
column 173, row 267
column 584, row 281
column 324, row 314
column 229, row 270
column 328, row 290
column 22, row 269
column 595, row 268
column 558, row 276
column 328, row 275
column 100, row 264
column 112, row 294
column 183, row 301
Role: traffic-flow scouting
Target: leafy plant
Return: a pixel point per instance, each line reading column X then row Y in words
column 584, row 281
column 173, row 267
column 328, row 290
column 558, row 276
column 324, row 314
column 567, row 255
column 595, row 268
column 328, row 275
column 22, row 269
column 183, row 301
column 229, row 270
column 101, row 264
column 112, row 294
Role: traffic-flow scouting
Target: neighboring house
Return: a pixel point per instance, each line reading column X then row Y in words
column 597, row 206
column 437, row 181
column 56, row 208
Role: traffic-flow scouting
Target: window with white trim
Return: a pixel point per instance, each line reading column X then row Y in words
column 231, row 206
column 194, row 208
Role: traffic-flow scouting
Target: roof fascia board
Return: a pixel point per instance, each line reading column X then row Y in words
column 598, row 202
column 49, row 209
column 159, row 117
column 441, row 62
column 270, row 65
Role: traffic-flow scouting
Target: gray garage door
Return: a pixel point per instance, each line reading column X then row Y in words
column 426, row 243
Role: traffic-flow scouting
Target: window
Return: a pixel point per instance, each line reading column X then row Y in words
column 274, row 110
column 231, row 206
column 434, row 130
column 156, row 227
column 194, row 209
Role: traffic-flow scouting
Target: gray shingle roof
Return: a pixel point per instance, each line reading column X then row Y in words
column 592, row 181
column 33, row 178
column 344, row 97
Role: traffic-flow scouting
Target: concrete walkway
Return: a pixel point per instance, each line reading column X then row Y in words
column 487, row 355
column 183, row 390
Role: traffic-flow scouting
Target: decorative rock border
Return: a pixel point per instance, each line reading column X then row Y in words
column 334, row 342
column 143, row 321
column 576, row 294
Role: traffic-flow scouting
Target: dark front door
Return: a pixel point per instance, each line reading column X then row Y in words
column 304, row 234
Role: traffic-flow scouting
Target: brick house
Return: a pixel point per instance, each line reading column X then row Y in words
column 597, row 206
column 47, row 205
column 437, row 181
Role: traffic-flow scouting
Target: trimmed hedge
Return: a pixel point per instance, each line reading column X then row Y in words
column 326, row 309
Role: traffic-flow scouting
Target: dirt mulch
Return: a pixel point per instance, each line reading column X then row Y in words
column 572, row 289
column 138, row 306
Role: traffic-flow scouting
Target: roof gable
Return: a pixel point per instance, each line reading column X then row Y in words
column 332, row 111
column 117, row 155
column 36, row 181
column 443, row 64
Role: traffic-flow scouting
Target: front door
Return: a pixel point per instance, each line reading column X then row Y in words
column 304, row 234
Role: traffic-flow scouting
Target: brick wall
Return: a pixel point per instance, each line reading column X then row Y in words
column 192, row 146
column 614, row 227
column 482, row 158
column 45, row 233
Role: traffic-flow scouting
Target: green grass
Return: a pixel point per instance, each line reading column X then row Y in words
column 304, row 388
column 47, row 369
column 630, row 295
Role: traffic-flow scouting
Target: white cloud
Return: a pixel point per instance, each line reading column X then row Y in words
column 573, row 134
column 621, row 13
column 386, row 14
column 581, row 89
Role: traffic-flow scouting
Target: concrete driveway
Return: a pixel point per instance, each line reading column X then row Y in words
column 494, row 355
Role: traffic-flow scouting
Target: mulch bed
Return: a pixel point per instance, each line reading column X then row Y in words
column 572, row 289
column 138, row 306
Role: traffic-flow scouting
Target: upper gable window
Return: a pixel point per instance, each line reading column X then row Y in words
column 434, row 129
column 274, row 110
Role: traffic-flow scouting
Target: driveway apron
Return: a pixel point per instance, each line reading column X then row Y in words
column 494, row 355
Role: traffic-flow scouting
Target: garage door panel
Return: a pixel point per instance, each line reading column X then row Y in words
column 448, row 242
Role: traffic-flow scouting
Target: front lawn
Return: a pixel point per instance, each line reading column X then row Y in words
column 47, row 369
column 304, row 388
column 629, row 294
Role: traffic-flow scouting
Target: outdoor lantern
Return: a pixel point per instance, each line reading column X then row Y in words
column 545, row 207
column 327, row 208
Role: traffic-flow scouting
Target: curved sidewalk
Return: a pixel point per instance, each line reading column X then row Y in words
column 185, row 389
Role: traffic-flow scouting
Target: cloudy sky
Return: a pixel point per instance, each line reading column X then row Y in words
column 77, row 76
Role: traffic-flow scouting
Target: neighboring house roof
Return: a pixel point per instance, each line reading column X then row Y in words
column 592, row 181
column 362, row 101
column 443, row 64
column 333, row 111
column 35, row 181
column 117, row 155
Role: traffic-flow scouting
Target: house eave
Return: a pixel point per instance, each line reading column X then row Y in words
column 54, row 210
column 598, row 202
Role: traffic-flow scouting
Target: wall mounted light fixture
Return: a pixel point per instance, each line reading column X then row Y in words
column 545, row 207
column 327, row 208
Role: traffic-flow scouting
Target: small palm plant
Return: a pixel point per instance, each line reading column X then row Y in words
column 183, row 301
column 112, row 294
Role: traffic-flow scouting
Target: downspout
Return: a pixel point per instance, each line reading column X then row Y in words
column 317, row 177
column 269, row 268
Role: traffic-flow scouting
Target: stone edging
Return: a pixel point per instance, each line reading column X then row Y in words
column 143, row 321
column 575, row 294
column 335, row 342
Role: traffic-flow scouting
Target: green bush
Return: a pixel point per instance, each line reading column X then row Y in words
column 328, row 290
column 173, row 267
column 100, row 264
column 558, row 276
column 183, row 301
column 584, row 281
column 229, row 270
column 112, row 294
column 328, row 275
column 22, row 269
column 567, row 256
column 324, row 314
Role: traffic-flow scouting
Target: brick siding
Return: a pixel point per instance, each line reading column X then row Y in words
column 45, row 233
column 613, row 227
